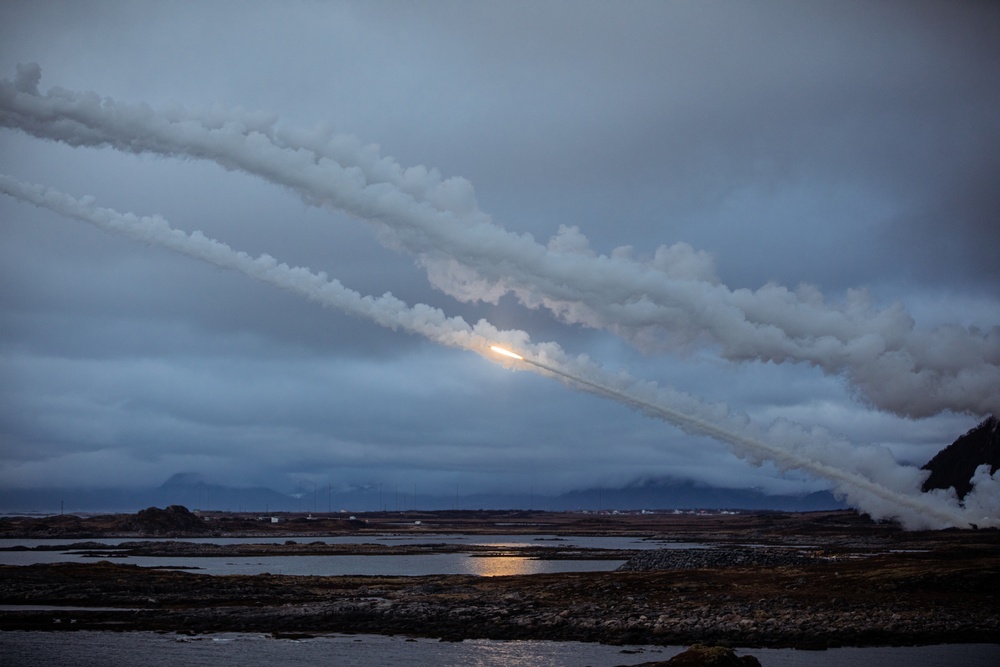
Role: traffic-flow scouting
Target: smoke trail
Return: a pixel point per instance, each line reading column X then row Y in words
column 853, row 471
column 672, row 300
column 387, row 310
column 848, row 482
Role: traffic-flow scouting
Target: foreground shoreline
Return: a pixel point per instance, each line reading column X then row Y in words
column 870, row 585
column 736, row 607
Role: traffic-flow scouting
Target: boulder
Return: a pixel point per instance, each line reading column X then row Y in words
column 706, row 656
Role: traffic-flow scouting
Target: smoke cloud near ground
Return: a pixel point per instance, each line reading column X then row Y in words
column 867, row 477
column 671, row 301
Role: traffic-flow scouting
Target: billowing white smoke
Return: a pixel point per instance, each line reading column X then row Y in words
column 867, row 477
column 672, row 300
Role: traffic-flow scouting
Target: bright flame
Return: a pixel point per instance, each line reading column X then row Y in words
column 506, row 353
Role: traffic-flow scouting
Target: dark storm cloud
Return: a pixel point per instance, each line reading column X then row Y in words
column 673, row 300
column 699, row 103
column 869, row 478
column 844, row 144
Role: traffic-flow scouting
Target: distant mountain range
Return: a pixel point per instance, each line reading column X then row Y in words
column 953, row 466
column 192, row 491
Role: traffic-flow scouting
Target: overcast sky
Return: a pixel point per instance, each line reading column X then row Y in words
column 843, row 145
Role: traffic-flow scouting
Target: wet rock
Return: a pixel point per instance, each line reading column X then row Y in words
column 693, row 559
column 706, row 656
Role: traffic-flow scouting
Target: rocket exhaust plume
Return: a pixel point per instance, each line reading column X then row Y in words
column 788, row 445
column 784, row 458
column 506, row 353
column 675, row 299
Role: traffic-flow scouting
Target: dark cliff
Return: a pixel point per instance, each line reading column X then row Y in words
column 954, row 465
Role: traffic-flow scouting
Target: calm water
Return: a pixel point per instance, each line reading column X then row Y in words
column 388, row 566
column 107, row 649
column 453, row 563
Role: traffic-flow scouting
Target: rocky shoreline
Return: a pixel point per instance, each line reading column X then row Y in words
column 895, row 599
column 693, row 559
column 808, row 581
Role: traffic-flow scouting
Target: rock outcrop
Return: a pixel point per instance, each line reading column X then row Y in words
column 692, row 559
column 954, row 465
column 706, row 656
column 174, row 520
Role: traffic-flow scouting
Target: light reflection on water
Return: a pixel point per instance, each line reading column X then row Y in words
column 488, row 566
column 330, row 566
column 370, row 565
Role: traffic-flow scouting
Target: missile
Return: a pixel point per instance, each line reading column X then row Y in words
column 506, row 353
